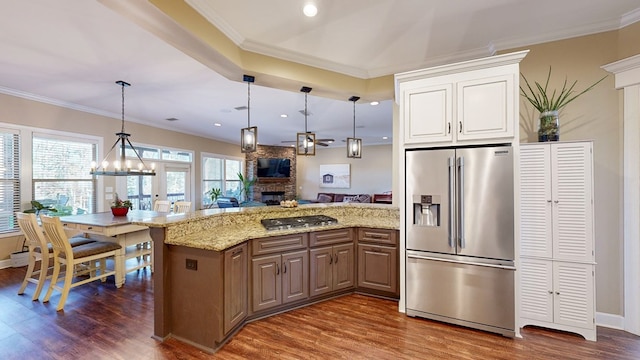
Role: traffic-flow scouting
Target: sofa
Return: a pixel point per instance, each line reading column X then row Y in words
column 333, row 197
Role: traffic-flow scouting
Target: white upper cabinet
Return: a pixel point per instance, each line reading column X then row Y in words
column 468, row 102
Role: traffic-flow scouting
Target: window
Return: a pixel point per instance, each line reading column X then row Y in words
column 9, row 179
column 221, row 173
column 61, row 176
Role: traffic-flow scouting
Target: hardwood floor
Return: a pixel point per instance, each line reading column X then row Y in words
column 102, row 322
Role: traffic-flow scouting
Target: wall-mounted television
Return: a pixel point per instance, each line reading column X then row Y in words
column 274, row 168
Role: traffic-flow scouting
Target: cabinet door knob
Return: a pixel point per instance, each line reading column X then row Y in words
column 335, row 258
column 556, row 201
column 285, row 269
column 330, row 259
column 449, row 124
column 557, row 292
column 460, row 127
column 550, row 292
column 549, row 201
column 277, row 269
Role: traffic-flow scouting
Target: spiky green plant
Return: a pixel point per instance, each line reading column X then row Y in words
column 544, row 103
column 541, row 100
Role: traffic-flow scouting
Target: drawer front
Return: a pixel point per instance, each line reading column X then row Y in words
column 279, row 244
column 379, row 236
column 91, row 228
column 329, row 237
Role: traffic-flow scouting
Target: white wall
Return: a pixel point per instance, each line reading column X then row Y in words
column 372, row 174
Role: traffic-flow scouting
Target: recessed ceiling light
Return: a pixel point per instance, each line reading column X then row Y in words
column 171, row 119
column 217, row 124
column 385, row 137
column 374, row 103
column 284, row 115
column 310, row 10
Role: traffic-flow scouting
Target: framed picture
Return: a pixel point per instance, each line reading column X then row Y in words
column 335, row 176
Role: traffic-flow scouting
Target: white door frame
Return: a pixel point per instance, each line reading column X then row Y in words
column 627, row 77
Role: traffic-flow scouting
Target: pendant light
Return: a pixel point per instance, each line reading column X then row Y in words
column 306, row 142
column 354, row 145
column 249, row 135
column 121, row 166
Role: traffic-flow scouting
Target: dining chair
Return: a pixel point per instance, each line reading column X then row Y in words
column 39, row 251
column 93, row 255
column 181, row 206
column 162, row 206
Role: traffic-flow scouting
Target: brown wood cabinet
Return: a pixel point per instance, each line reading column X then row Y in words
column 332, row 267
column 378, row 261
column 235, row 286
column 282, row 275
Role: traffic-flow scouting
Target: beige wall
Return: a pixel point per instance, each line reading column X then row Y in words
column 14, row 110
column 594, row 116
column 372, row 174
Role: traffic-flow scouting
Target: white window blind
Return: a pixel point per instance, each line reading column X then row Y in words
column 61, row 173
column 9, row 179
column 220, row 173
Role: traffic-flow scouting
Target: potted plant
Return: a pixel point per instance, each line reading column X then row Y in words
column 37, row 207
column 246, row 185
column 120, row 207
column 549, row 104
column 214, row 194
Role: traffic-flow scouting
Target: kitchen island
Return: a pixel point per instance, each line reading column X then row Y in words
column 217, row 269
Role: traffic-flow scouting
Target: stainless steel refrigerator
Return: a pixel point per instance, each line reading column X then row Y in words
column 460, row 236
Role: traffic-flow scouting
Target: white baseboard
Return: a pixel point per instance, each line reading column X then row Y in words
column 5, row 264
column 610, row 320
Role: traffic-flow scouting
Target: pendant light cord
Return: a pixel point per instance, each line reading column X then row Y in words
column 354, row 118
column 248, row 104
column 122, row 131
column 305, row 112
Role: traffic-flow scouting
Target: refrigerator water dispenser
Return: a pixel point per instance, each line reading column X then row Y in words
column 426, row 210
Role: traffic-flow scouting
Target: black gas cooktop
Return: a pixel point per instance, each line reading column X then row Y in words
column 298, row 222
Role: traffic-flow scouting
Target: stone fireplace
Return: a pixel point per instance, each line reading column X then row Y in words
column 272, row 197
column 285, row 186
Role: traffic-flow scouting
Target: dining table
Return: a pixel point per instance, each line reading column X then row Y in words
column 134, row 239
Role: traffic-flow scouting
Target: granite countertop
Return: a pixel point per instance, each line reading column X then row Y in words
column 220, row 229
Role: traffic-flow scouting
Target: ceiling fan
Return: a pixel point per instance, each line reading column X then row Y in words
column 320, row 142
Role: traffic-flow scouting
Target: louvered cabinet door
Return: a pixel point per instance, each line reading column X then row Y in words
column 574, row 294
column 535, row 201
column 572, row 208
column 536, row 291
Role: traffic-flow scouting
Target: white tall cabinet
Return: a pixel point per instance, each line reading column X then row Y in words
column 557, row 263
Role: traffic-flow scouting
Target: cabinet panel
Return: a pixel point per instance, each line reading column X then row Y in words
column 572, row 208
column 329, row 237
column 321, row 275
column 295, row 276
column 236, row 280
column 279, row 244
column 378, row 236
column 536, row 289
column 574, row 292
column 266, row 283
column 343, row 266
column 485, row 107
column 535, row 201
column 377, row 267
column 429, row 113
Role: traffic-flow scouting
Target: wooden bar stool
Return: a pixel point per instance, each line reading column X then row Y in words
column 94, row 254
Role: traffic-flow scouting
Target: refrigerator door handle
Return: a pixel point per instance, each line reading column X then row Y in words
column 452, row 164
column 420, row 257
column 461, row 202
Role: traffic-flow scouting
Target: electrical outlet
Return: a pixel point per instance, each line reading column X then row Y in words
column 192, row 264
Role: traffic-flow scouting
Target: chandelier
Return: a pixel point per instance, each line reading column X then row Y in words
column 354, row 145
column 249, row 135
column 306, row 141
column 121, row 166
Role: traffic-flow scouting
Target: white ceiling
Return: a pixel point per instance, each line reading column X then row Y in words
column 70, row 53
